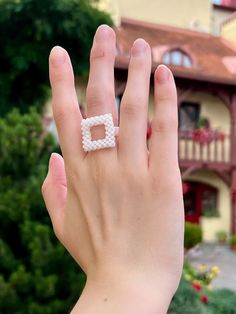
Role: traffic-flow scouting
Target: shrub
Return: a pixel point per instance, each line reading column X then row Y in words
column 190, row 300
column 192, row 235
column 233, row 239
column 37, row 275
column 223, row 301
column 187, row 301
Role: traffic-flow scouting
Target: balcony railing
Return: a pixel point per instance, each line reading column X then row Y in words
column 204, row 145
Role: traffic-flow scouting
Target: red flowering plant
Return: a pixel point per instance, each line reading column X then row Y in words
column 200, row 279
column 204, row 134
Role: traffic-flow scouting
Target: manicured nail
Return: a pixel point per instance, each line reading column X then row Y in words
column 139, row 47
column 103, row 33
column 57, row 56
column 162, row 74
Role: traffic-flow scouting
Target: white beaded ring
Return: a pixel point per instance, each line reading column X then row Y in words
column 110, row 132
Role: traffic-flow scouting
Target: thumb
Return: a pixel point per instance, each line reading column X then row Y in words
column 54, row 191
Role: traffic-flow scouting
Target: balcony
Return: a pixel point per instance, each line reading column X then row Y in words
column 204, row 148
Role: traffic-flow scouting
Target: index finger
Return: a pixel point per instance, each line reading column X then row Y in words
column 65, row 106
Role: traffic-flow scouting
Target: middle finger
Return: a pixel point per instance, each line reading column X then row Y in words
column 100, row 95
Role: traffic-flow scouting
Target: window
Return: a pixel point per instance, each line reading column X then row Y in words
column 177, row 57
column 209, row 202
column 189, row 113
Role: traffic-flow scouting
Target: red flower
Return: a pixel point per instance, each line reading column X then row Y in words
column 196, row 286
column 204, row 299
column 185, row 187
column 202, row 136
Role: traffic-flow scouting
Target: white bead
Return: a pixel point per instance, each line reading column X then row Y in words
column 110, row 132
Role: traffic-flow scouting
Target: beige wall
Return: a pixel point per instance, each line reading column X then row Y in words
column 228, row 30
column 218, row 16
column 211, row 225
column 217, row 113
column 182, row 13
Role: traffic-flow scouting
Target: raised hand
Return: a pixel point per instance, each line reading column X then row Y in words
column 118, row 211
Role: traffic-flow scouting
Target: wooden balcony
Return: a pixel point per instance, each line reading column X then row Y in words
column 204, row 148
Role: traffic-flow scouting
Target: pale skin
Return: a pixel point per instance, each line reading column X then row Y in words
column 118, row 211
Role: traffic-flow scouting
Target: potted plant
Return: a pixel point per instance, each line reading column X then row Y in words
column 233, row 242
column 221, row 236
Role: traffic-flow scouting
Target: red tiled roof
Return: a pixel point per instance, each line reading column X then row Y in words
column 207, row 52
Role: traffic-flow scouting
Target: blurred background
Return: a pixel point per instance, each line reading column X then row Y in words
column 197, row 40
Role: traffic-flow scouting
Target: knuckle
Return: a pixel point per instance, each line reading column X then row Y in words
column 164, row 125
column 58, row 77
column 96, row 97
column 166, row 95
column 101, row 52
column 63, row 112
column 142, row 64
column 134, row 178
column 133, row 107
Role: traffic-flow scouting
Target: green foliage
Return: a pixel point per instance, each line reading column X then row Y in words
column 233, row 239
column 37, row 275
column 188, row 301
column 223, row 301
column 28, row 31
column 192, row 235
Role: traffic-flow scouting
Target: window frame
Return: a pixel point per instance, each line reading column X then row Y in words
column 168, row 58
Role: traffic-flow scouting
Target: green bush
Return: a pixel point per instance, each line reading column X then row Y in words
column 188, row 301
column 28, row 31
column 232, row 240
column 192, row 235
column 37, row 275
column 223, row 301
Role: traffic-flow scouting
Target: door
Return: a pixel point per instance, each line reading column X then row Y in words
column 192, row 203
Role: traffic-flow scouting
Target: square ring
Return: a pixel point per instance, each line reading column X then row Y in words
column 107, row 141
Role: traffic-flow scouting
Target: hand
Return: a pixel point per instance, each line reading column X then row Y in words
column 118, row 211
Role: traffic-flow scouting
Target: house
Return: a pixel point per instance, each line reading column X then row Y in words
column 204, row 67
column 180, row 34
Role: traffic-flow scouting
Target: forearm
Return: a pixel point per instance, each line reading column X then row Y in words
column 102, row 299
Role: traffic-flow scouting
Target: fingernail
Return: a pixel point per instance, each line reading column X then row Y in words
column 51, row 160
column 57, row 56
column 162, row 74
column 103, row 33
column 139, row 47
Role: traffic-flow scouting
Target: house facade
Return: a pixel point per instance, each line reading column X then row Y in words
column 204, row 67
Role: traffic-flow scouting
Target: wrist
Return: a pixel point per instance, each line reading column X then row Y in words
column 122, row 297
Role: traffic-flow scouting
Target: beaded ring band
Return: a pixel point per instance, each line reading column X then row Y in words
column 110, row 132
